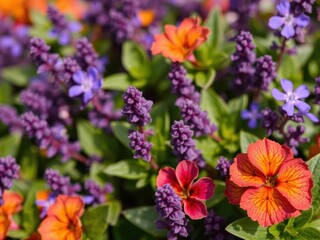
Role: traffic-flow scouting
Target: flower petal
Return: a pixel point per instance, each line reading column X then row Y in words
column 195, row 209
column 203, row 189
column 186, row 172
column 275, row 22
column 79, row 76
column 288, row 31
column 75, row 90
column 302, row 106
column 52, row 228
column 278, row 95
column 87, row 96
column 289, row 108
column 283, row 7
column 302, row 20
column 245, row 114
column 302, row 92
column 312, row 117
column 12, row 202
column 244, row 174
column 168, row 175
column 267, row 206
column 294, row 183
column 286, row 85
column 233, row 192
column 267, row 156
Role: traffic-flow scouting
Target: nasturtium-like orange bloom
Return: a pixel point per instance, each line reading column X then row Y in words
column 11, row 205
column 178, row 43
column 269, row 183
column 146, row 16
column 63, row 219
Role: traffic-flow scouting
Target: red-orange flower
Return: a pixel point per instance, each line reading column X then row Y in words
column 11, row 205
column 269, row 183
column 193, row 194
column 178, row 43
column 63, row 219
column 315, row 149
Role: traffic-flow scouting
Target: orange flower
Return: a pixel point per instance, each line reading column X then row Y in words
column 146, row 16
column 63, row 219
column 11, row 205
column 315, row 149
column 269, row 183
column 178, row 43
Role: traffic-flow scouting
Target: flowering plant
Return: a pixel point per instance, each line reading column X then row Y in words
column 159, row 119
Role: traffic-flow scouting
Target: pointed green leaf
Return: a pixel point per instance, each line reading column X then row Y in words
column 118, row 81
column 308, row 233
column 303, row 219
column 114, row 210
column 94, row 222
column 121, row 130
column 246, row 139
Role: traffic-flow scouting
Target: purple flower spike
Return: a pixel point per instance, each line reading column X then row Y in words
column 292, row 98
column 253, row 115
column 140, row 145
column 287, row 20
column 87, row 84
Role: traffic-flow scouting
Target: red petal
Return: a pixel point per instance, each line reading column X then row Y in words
column 195, row 209
column 234, row 192
column 167, row 175
column 244, row 174
column 294, row 183
column 186, row 172
column 267, row 206
column 203, row 189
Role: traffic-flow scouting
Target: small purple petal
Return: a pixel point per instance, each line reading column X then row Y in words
column 79, row 76
column 302, row 92
column 288, row 31
column 302, row 20
column 286, row 85
column 252, row 123
column 245, row 114
column 312, row 117
column 283, row 7
column 289, row 108
column 302, row 106
column 275, row 22
column 75, row 91
column 278, row 95
column 87, row 96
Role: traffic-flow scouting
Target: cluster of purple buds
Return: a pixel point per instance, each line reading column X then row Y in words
column 137, row 110
column 291, row 18
column 103, row 112
column 214, row 226
column 294, row 137
column 53, row 140
column 251, row 74
column 13, row 42
column 9, row 170
column 317, row 91
column 223, row 166
column 269, row 120
column 168, row 205
column 9, row 117
column 184, row 147
column 62, row 29
column 188, row 102
column 97, row 192
column 245, row 10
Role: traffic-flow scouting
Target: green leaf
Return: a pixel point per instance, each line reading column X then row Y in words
column 18, row 76
column 303, row 219
column 277, row 230
column 314, row 166
column 218, row 196
column 245, row 228
column 206, row 78
column 135, row 60
column 236, row 105
column 9, row 144
column 128, row 169
column 121, row 130
column 118, row 81
column 94, row 221
column 144, row 218
column 30, row 213
column 18, row 234
column 308, row 233
column 314, row 224
column 246, row 139
column 5, row 92
column 215, row 106
column 28, row 159
column 217, row 27
column 114, row 210
column 95, row 142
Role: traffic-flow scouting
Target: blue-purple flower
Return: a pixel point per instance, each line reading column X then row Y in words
column 87, row 84
column 287, row 20
column 252, row 115
column 292, row 98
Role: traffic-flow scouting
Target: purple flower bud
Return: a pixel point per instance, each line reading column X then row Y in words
column 214, row 226
column 269, row 120
column 168, row 205
column 9, row 117
column 244, row 48
column 294, row 137
column 38, row 50
column 86, row 56
column 137, row 108
column 223, row 166
column 36, row 103
column 265, row 72
column 301, row 6
column 70, row 67
column 140, row 145
column 97, row 192
column 9, row 170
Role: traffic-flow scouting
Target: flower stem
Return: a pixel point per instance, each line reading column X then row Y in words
column 282, row 51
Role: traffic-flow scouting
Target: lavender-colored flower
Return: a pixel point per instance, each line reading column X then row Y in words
column 302, row 6
column 52, row 65
column 36, row 103
column 244, row 48
column 287, row 20
column 292, row 98
column 38, row 50
column 197, row 119
column 86, row 56
column 60, row 184
column 214, row 226
column 9, row 170
column 269, row 120
column 294, row 137
column 137, row 108
column 71, row 66
column 181, row 85
column 265, row 72
column 252, row 115
column 140, row 145
column 87, row 84
column 62, row 28
column 168, row 205
column 34, row 127
column 223, row 166
column 9, row 117
column 97, row 192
